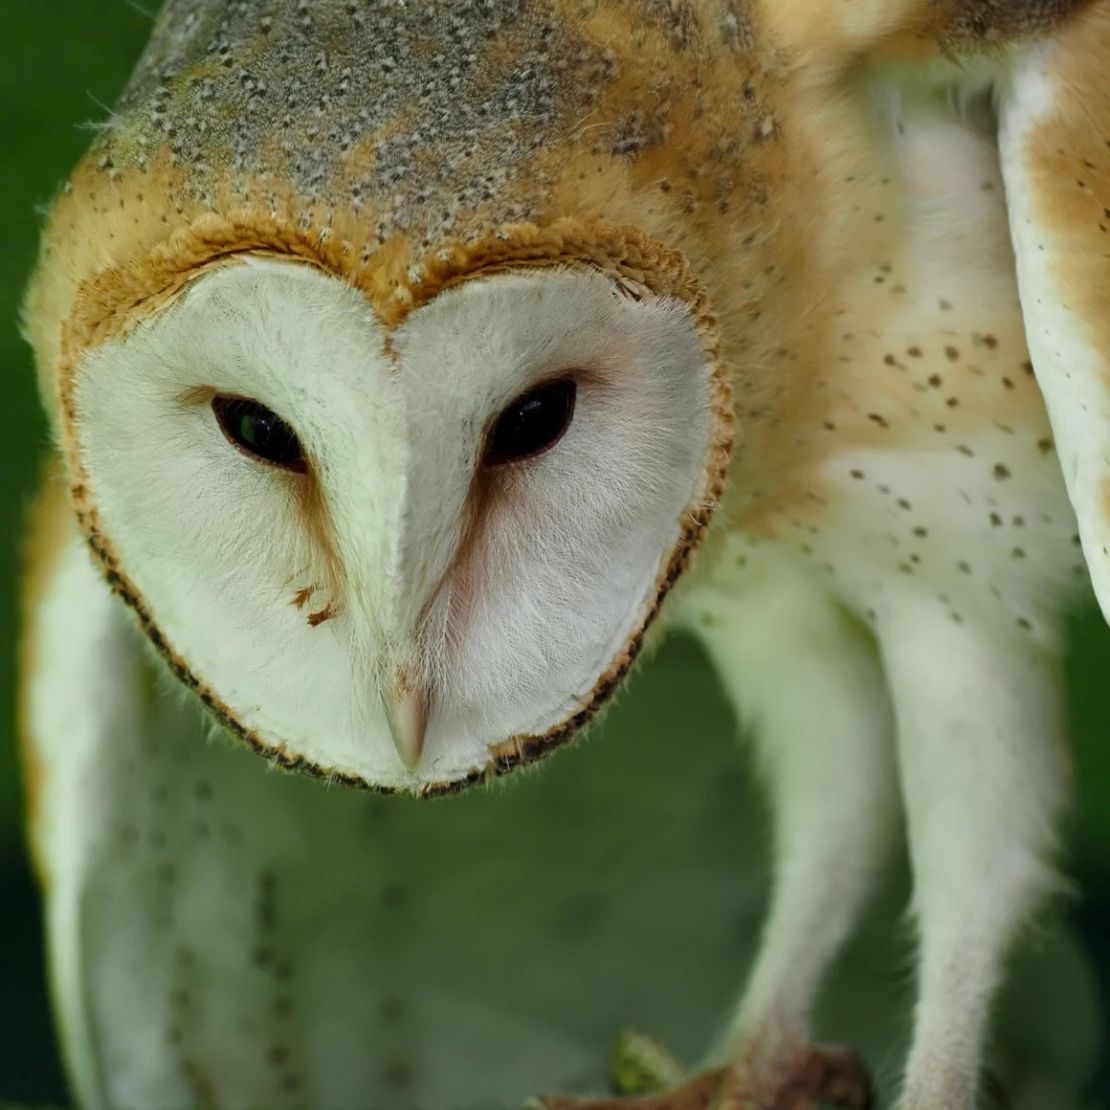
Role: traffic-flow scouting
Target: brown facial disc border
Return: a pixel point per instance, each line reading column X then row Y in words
column 114, row 301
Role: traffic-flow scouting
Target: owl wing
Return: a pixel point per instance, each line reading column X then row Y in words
column 69, row 703
column 1054, row 138
column 129, row 834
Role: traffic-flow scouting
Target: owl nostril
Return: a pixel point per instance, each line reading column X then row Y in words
column 533, row 423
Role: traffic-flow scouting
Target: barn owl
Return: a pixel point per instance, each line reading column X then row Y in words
column 401, row 358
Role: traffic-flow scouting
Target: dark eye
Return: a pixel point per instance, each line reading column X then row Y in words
column 535, row 421
column 260, row 433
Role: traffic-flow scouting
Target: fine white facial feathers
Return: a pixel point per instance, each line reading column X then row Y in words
column 406, row 604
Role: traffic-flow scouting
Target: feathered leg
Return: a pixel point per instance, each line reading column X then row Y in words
column 809, row 681
column 984, row 778
column 807, row 678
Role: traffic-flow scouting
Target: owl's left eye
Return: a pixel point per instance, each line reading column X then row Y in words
column 258, row 432
column 532, row 423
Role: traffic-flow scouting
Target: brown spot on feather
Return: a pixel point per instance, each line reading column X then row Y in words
column 318, row 618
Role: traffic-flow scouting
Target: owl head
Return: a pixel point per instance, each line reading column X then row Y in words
column 390, row 402
column 406, row 548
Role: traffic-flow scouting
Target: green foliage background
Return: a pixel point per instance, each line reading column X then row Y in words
column 63, row 62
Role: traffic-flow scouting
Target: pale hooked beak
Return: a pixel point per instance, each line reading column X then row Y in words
column 406, row 709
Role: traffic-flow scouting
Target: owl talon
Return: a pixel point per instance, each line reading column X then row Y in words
column 821, row 1076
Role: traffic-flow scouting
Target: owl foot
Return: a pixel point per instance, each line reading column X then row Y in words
column 816, row 1076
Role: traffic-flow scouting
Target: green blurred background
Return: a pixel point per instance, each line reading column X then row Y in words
column 61, row 64
column 64, row 63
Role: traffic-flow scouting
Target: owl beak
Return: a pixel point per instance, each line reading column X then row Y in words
column 406, row 709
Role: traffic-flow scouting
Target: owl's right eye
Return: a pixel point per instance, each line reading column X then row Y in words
column 258, row 432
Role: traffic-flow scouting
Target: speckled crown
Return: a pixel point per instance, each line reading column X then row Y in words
column 396, row 144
